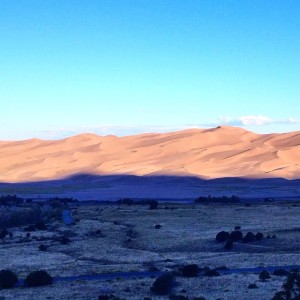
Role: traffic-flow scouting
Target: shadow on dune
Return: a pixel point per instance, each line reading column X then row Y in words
column 113, row 187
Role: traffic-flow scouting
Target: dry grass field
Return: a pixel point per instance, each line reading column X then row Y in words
column 110, row 238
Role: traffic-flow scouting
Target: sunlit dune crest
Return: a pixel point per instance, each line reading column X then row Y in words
column 223, row 151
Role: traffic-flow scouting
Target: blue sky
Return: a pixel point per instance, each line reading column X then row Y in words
column 123, row 66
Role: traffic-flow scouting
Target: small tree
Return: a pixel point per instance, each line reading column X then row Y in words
column 291, row 288
column 264, row 275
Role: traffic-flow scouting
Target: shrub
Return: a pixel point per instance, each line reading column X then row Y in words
column 3, row 233
column 211, row 273
column 157, row 226
column 221, row 268
column 190, row 270
column 222, row 236
column 153, row 269
column 153, row 204
column 11, row 216
column 236, row 236
column 42, row 247
column 264, row 275
column 178, row 297
column 108, row 297
column 38, row 278
column 10, row 200
column 163, row 284
column 8, row 279
column 291, row 288
column 64, row 240
column 252, row 286
column 249, row 237
column 259, row 236
column 30, row 228
column 40, row 225
column 104, row 297
column 228, row 245
column 281, row 272
column 237, row 227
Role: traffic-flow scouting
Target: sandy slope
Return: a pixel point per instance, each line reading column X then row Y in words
column 211, row 153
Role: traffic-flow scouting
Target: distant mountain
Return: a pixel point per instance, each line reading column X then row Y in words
column 207, row 153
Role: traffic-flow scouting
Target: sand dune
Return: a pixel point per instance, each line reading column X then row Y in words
column 208, row 153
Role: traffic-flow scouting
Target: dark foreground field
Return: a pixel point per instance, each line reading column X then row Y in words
column 112, row 187
column 124, row 239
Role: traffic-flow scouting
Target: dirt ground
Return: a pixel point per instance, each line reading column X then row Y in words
column 120, row 238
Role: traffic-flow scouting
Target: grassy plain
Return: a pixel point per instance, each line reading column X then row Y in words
column 119, row 238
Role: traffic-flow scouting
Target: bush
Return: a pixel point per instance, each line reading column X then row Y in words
column 190, row 270
column 42, row 247
column 252, row 286
column 153, row 204
column 291, row 288
column 236, row 236
column 249, row 237
column 211, row 273
column 108, row 297
column 40, row 225
column 64, row 240
column 30, row 228
column 264, row 275
column 8, row 279
column 38, row 278
column 228, row 245
column 178, row 297
column 222, row 236
column 281, row 272
column 12, row 216
column 163, row 284
column 3, row 233
column 259, row 236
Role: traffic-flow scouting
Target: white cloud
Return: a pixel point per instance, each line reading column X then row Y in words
column 257, row 120
column 123, row 130
column 107, row 129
